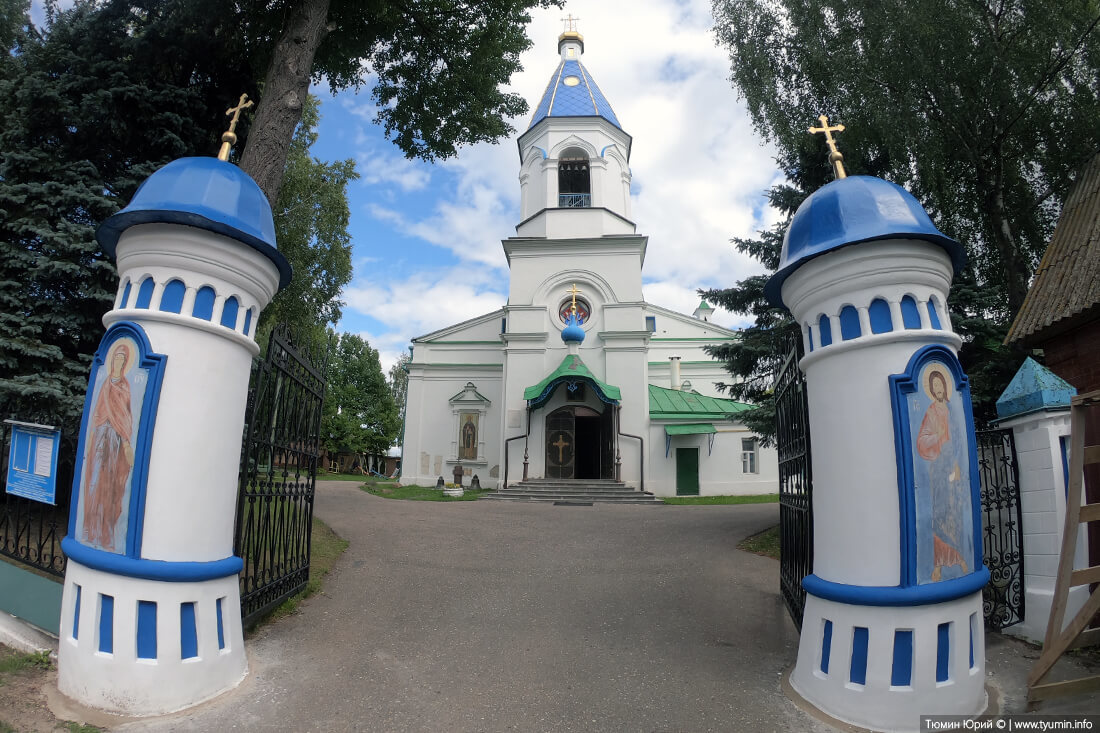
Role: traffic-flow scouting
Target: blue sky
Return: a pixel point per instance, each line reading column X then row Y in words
column 426, row 238
column 427, row 250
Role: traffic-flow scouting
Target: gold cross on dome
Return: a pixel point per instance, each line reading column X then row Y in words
column 835, row 156
column 230, row 135
column 574, row 291
column 570, row 23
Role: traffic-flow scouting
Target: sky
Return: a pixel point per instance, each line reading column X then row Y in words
column 427, row 237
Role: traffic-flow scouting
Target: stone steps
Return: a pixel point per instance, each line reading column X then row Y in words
column 581, row 491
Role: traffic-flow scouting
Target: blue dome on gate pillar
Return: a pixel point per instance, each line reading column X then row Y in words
column 851, row 211
column 205, row 193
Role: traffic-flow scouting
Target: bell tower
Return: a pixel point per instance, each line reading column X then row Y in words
column 574, row 157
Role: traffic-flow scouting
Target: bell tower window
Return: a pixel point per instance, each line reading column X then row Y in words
column 574, row 182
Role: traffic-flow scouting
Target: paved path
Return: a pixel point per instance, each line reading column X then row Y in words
column 497, row 616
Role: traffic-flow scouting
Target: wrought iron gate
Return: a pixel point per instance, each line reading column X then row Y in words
column 796, row 520
column 278, row 473
column 1002, row 551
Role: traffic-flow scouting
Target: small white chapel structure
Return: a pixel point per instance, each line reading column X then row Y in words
column 632, row 396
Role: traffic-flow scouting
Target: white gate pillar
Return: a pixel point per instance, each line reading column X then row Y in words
column 893, row 619
column 150, row 618
column 1035, row 405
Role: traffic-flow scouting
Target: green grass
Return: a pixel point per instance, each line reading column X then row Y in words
column 78, row 728
column 700, row 500
column 765, row 543
column 19, row 661
column 321, row 476
column 419, row 493
column 325, row 548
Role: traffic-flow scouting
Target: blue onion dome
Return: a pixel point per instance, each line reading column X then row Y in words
column 205, row 193
column 572, row 333
column 851, row 211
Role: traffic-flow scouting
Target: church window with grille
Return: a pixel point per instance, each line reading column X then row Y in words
column 574, row 182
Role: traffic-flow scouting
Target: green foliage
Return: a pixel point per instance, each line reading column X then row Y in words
column 436, row 66
column 984, row 110
column 311, row 228
column 86, row 113
column 360, row 415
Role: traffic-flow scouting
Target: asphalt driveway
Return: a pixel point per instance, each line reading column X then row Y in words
column 495, row 616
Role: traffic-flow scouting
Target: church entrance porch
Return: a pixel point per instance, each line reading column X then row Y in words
column 579, row 443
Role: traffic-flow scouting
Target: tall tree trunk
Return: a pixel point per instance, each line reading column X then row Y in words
column 1013, row 264
column 284, row 94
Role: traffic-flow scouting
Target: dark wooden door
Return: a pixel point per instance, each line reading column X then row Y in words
column 560, row 443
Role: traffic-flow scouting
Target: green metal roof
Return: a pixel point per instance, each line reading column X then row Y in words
column 671, row 404
column 570, row 370
column 690, row 429
column 704, row 306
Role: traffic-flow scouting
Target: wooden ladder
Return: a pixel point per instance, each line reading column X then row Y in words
column 1074, row 635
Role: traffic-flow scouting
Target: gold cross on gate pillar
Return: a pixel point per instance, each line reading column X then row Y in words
column 230, row 135
column 835, row 156
column 574, row 292
column 560, row 445
column 570, row 23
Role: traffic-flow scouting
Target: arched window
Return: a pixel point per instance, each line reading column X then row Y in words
column 229, row 312
column 145, row 293
column 849, row 323
column 879, row 313
column 204, row 303
column 574, row 181
column 171, row 298
column 825, row 329
column 909, row 315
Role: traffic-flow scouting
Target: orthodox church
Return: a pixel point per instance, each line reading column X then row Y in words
column 576, row 377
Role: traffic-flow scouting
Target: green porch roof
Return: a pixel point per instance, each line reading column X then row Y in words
column 677, row 404
column 570, row 370
column 701, row 428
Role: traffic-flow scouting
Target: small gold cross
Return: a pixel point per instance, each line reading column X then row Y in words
column 570, row 23
column 561, row 445
column 835, row 156
column 574, row 291
column 230, row 136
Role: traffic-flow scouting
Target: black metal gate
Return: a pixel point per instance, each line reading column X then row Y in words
column 1002, row 550
column 278, row 473
column 796, row 519
column 31, row 532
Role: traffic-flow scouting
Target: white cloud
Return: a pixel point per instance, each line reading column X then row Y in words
column 379, row 166
column 699, row 170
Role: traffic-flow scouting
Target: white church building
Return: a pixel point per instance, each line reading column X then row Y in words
column 625, row 392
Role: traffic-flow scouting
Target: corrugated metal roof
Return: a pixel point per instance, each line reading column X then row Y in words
column 676, row 403
column 1067, row 283
column 572, row 92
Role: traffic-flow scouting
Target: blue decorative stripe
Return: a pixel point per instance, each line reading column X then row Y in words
column 171, row 572
column 826, row 646
column 910, row 318
column 896, row 595
column 879, row 314
column 933, row 317
column 145, row 293
column 247, row 321
column 171, row 298
column 189, row 640
column 810, row 335
column 229, row 312
column 147, row 630
column 826, row 329
column 849, row 323
column 858, row 673
column 901, row 674
column 106, row 624
column 221, row 628
column 204, row 303
column 76, row 613
column 943, row 652
column 125, row 295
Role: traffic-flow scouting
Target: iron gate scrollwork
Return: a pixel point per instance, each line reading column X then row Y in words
column 1002, row 551
column 30, row 531
column 278, row 474
column 796, row 520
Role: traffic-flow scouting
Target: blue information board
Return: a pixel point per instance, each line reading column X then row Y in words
column 32, row 461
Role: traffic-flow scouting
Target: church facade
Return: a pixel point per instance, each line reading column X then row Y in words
column 577, row 377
